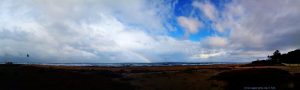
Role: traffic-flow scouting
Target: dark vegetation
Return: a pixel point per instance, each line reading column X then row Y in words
column 20, row 77
column 263, row 78
column 296, row 80
column 209, row 77
column 292, row 57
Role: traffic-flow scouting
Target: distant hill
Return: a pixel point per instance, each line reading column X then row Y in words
column 292, row 57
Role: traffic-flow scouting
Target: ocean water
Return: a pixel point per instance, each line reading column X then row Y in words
column 140, row 64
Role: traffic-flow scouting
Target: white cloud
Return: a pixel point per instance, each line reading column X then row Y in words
column 260, row 26
column 209, row 55
column 220, row 27
column 216, row 41
column 207, row 8
column 191, row 25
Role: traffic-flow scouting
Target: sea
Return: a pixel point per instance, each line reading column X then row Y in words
column 141, row 64
column 134, row 64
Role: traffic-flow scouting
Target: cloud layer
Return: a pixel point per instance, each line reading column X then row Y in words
column 100, row 31
column 88, row 31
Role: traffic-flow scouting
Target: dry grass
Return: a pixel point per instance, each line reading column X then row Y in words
column 145, row 78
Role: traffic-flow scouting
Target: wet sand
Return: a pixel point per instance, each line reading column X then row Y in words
column 206, row 77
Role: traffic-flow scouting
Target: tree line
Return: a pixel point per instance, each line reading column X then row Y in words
column 292, row 57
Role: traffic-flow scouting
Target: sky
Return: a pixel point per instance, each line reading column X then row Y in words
column 145, row 31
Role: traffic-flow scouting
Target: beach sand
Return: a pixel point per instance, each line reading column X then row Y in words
column 206, row 77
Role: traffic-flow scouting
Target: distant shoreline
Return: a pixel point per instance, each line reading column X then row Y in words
column 135, row 64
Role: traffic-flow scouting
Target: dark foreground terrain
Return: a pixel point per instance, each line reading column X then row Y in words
column 210, row 77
